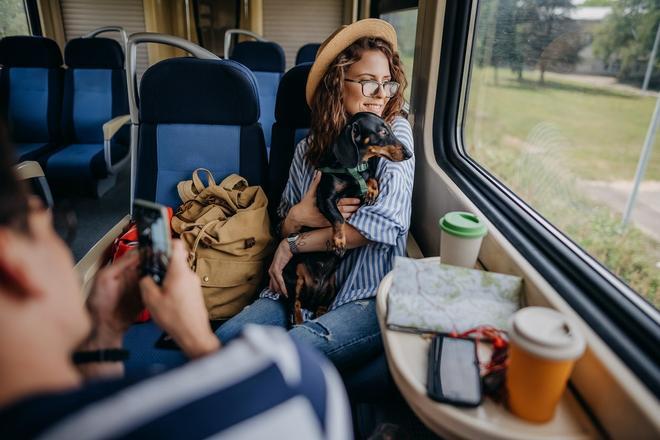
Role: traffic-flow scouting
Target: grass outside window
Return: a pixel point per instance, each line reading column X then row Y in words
column 553, row 143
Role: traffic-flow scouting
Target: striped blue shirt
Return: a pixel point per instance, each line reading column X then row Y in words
column 385, row 223
column 262, row 385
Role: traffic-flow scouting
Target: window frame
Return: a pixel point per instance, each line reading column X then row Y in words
column 625, row 321
column 32, row 13
column 386, row 6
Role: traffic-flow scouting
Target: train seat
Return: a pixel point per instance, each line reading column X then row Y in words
column 197, row 113
column 95, row 98
column 31, row 93
column 307, row 53
column 267, row 61
column 292, row 120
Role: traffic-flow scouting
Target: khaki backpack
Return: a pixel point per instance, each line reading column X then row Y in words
column 227, row 232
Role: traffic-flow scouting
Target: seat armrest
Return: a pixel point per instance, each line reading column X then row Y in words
column 32, row 172
column 111, row 128
column 412, row 248
column 28, row 170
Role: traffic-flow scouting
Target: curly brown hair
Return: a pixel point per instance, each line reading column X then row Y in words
column 328, row 115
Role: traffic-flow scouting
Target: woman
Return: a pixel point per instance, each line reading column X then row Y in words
column 357, row 69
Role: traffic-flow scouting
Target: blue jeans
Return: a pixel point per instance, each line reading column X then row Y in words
column 348, row 335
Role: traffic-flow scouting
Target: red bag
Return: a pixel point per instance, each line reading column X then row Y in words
column 124, row 243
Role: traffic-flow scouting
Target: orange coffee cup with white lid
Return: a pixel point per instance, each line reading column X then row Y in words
column 544, row 345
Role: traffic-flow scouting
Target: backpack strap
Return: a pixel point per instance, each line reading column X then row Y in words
column 189, row 189
column 192, row 255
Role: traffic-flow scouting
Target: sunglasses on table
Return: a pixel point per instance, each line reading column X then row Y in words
column 370, row 87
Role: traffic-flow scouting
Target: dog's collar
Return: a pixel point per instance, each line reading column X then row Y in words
column 354, row 172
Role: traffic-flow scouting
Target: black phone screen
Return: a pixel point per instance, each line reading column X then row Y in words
column 153, row 238
column 453, row 371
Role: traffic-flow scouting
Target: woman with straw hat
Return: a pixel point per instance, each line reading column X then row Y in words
column 357, row 69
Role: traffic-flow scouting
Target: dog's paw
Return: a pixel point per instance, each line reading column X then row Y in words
column 372, row 192
column 370, row 198
column 338, row 239
column 339, row 244
column 297, row 313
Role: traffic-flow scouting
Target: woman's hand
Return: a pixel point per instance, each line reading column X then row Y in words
column 306, row 213
column 280, row 260
column 178, row 306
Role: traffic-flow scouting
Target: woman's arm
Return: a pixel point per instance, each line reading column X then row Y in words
column 321, row 239
column 310, row 241
column 306, row 213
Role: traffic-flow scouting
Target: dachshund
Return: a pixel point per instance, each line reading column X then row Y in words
column 348, row 170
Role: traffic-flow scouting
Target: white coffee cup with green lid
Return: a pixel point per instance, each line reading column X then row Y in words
column 460, row 238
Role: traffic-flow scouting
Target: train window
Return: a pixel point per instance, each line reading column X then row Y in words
column 405, row 23
column 13, row 18
column 560, row 110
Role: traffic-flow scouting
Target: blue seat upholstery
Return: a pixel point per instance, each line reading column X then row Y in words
column 292, row 120
column 307, row 53
column 31, row 93
column 94, row 93
column 370, row 383
column 197, row 113
column 267, row 61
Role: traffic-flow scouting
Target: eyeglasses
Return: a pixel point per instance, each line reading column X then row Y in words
column 370, row 87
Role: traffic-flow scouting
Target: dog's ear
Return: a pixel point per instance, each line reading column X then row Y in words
column 345, row 148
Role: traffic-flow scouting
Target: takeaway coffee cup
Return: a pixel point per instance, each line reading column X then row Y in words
column 544, row 347
column 460, row 238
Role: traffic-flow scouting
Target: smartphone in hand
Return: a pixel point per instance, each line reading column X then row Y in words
column 154, row 242
column 453, row 371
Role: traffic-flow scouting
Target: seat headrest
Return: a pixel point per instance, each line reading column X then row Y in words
column 194, row 91
column 291, row 106
column 307, row 53
column 20, row 51
column 260, row 56
column 94, row 53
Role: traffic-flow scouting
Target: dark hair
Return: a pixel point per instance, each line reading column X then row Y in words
column 328, row 113
column 13, row 199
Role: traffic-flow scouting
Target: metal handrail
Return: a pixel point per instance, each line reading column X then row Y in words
column 131, row 79
column 230, row 32
column 104, row 29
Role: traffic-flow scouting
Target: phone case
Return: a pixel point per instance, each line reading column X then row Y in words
column 454, row 378
column 153, row 225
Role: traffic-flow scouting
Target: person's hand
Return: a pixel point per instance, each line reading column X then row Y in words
column 114, row 301
column 281, row 258
column 306, row 212
column 178, row 306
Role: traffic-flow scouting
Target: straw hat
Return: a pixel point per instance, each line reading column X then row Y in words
column 340, row 40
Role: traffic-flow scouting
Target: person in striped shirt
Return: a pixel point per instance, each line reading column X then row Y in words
column 356, row 69
column 262, row 385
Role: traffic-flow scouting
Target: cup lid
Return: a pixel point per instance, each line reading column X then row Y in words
column 546, row 333
column 463, row 224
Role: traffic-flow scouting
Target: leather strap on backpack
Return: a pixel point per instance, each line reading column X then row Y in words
column 193, row 252
column 189, row 189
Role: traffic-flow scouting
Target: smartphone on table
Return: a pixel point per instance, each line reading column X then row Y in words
column 154, row 243
column 453, row 371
